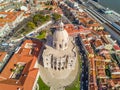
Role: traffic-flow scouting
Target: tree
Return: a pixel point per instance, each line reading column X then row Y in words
column 56, row 16
column 42, row 35
column 36, row 19
column 40, row 19
column 46, row 8
column 47, row 17
column 13, row 70
column 31, row 25
column 50, row 8
column 43, row 18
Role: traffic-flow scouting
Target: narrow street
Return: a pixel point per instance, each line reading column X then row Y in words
column 84, row 75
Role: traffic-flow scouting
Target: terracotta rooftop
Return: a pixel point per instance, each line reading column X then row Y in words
column 98, row 43
column 27, row 56
column 89, row 35
column 86, row 42
column 94, row 25
column 9, row 16
column 92, row 71
column 101, row 73
column 111, row 83
column 99, row 58
column 116, row 47
column 2, row 56
column 2, row 24
column 89, row 49
column 105, row 40
column 72, row 30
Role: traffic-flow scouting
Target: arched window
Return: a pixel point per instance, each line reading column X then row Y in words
column 55, row 67
column 54, row 44
column 60, row 45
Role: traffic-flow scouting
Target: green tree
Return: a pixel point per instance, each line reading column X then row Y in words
column 30, row 25
column 46, row 8
column 36, row 19
column 47, row 17
column 40, row 19
column 42, row 35
column 50, row 8
column 56, row 16
column 107, row 70
column 13, row 70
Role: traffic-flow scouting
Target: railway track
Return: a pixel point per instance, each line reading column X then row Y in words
column 114, row 29
column 104, row 20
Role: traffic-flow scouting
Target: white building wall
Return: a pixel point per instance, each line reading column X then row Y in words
column 63, row 61
column 47, row 61
column 59, row 62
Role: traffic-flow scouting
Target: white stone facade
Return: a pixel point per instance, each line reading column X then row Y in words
column 60, row 40
column 59, row 63
column 63, row 53
column 47, row 61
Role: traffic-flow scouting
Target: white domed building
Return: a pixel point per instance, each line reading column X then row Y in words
column 60, row 38
column 62, row 54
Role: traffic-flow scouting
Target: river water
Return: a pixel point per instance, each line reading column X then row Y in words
column 112, row 4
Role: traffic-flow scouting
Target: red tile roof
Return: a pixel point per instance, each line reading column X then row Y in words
column 89, row 49
column 72, row 30
column 10, row 16
column 116, row 47
column 2, row 24
column 98, row 43
column 2, row 56
column 29, row 73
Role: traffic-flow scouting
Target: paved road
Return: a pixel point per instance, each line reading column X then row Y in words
column 84, row 75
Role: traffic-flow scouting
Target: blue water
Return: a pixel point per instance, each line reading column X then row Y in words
column 112, row 4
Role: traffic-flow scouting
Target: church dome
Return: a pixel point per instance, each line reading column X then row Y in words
column 60, row 38
column 60, row 35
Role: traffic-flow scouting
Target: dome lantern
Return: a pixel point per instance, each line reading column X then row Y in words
column 61, row 26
